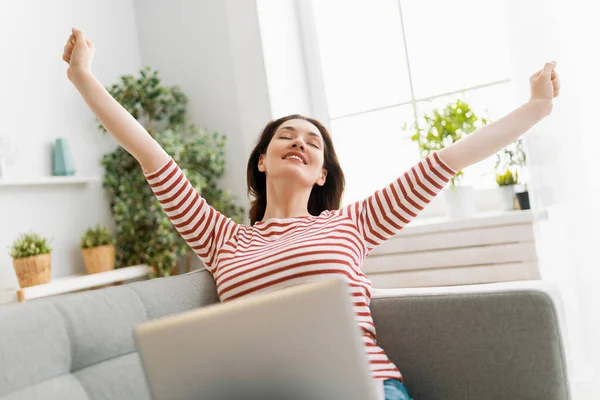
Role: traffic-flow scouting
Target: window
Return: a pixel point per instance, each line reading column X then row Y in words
column 385, row 63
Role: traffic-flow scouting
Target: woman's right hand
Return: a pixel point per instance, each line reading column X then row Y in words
column 78, row 53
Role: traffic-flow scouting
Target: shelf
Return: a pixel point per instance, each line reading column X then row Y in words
column 49, row 180
column 74, row 283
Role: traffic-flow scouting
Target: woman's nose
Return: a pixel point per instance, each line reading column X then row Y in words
column 296, row 144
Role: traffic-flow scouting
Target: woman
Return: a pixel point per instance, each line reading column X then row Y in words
column 298, row 232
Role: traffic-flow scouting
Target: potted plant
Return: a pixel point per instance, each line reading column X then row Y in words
column 506, row 188
column 143, row 230
column 97, row 246
column 512, row 160
column 31, row 259
column 439, row 129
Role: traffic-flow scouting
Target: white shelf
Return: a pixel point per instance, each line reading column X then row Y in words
column 49, row 180
column 74, row 283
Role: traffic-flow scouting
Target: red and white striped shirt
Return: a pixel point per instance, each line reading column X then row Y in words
column 278, row 253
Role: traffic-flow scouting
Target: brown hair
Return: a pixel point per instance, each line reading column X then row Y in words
column 326, row 197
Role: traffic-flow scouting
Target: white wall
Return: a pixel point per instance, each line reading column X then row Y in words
column 562, row 157
column 39, row 104
column 212, row 49
column 285, row 64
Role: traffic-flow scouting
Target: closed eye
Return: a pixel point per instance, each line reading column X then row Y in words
column 289, row 138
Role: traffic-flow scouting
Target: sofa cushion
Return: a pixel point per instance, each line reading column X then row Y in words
column 66, row 346
column 100, row 323
column 504, row 345
column 115, row 379
column 64, row 387
column 34, row 345
column 162, row 297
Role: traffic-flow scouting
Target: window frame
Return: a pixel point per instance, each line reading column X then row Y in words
column 315, row 78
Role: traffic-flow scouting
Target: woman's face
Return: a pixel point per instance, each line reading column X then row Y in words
column 296, row 151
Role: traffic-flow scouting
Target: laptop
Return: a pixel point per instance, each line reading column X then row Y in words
column 300, row 342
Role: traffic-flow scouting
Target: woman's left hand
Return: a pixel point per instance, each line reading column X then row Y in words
column 545, row 85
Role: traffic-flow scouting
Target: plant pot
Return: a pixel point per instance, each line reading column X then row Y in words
column 523, row 199
column 99, row 259
column 506, row 196
column 34, row 270
column 460, row 202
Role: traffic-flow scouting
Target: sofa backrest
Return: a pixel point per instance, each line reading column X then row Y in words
column 491, row 341
column 482, row 344
column 68, row 346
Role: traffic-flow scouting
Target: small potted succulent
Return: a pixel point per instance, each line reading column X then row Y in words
column 31, row 259
column 97, row 246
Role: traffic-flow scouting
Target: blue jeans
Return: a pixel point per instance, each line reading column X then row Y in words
column 395, row 390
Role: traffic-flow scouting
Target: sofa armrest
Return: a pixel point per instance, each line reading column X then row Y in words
column 492, row 341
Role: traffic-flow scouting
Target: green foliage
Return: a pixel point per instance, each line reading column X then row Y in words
column 100, row 236
column 442, row 127
column 29, row 244
column 153, row 105
column 507, row 178
column 513, row 158
column 144, row 233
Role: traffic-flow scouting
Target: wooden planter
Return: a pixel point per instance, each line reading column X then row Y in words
column 99, row 259
column 34, row 270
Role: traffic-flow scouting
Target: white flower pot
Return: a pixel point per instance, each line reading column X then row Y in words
column 506, row 195
column 460, row 202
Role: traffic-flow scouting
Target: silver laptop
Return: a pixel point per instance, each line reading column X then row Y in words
column 300, row 342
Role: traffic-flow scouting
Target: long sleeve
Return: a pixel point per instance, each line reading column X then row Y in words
column 203, row 228
column 383, row 214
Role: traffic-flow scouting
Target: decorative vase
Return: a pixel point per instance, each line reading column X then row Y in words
column 506, row 196
column 34, row 270
column 460, row 202
column 2, row 167
column 99, row 258
column 63, row 164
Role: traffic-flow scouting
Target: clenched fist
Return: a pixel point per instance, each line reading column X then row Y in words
column 545, row 85
column 78, row 53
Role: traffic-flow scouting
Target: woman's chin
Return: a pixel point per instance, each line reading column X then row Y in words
column 294, row 173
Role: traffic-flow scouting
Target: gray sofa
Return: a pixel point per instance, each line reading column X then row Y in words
column 499, row 341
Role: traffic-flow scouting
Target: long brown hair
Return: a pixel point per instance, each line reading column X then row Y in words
column 326, row 197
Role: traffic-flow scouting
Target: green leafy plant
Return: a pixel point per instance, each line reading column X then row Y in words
column 93, row 237
column 445, row 126
column 507, row 178
column 512, row 158
column 144, row 233
column 29, row 244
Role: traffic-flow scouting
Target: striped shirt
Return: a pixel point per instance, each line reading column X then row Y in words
column 278, row 253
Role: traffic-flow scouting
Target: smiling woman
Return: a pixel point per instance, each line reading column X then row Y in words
column 298, row 232
column 291, row 192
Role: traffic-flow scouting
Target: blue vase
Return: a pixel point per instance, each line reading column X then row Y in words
column 63, row 164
